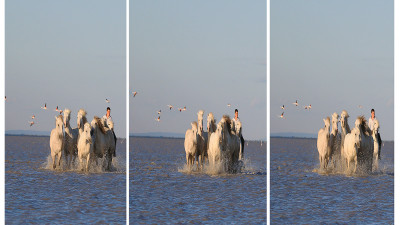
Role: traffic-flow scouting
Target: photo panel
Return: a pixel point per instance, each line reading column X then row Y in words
column 65, row 112
column 332, row 112
column 192, row 65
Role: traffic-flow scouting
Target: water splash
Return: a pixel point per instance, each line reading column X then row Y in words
column 219, row 168
column 338, row 166
column 96, row 166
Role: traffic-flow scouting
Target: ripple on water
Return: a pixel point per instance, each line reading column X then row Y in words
column 174, row 192
column 302, row 193
column 37, row 194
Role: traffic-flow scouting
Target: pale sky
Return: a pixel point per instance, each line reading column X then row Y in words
column 333, row 55
column 66, row 53
column 198, row 54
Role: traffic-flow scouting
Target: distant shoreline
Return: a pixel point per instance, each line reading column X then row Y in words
column 293, row 137
column 33, row 135
column 136, row 136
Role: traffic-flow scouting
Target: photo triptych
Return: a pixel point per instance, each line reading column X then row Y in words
column 198, row 112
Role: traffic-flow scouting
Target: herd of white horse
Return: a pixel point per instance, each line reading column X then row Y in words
column 88, row 142
column 220, row 145
column 359, row 145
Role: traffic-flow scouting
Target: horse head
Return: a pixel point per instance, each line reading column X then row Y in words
column 238, row 128
column 327, row 122
column 210, row 122
column 59, row 122
column 343, row 119
column 357, row 137
column 200, row 119
column 67, row 117
column 335, row 121
column 81, row 118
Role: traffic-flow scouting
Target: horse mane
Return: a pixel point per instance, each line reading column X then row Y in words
column 67, row 112
column 228, row 121
column 82, row 112
column 364, row 126
column 329, row 119
column 213, row 125
column 335, row 115
column 200, row 114
column 100, row 124
column 345, row 114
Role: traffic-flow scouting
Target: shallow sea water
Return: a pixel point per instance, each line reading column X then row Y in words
column 302, row 194
column 163, row 190
column 36, row 194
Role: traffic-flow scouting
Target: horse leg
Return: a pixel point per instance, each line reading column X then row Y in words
column 80, row 162
column 355, row 165
column 108, row 159
column 59, row 159
column 87, row 162
column 201, row 161
column 53, row 156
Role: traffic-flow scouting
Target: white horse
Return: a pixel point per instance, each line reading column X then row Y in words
column 85, row 146
column 211, row 127
column 81, row 120
column 352, row 144
column 230, row 145
column 103, row 142
column 215, row 145
column 110, row 124
column 70, row 139
column 323, row 144
column 202, row 140
column 345, row 130
column 334, row 140
column 377, row 148
column 190, row 144
column 57, row 141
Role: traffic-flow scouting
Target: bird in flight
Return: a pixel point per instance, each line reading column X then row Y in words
column 31, row 123
column 283, row 107
column 134, row 93
column 295, row 103
column 229, row 105
column 159, row 111
column 108, row 101
column 158, row 119
column 170, row 107
column 33, row 116
column 45, row 106
column 281, row 116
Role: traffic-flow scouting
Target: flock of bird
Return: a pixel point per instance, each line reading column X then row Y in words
column 158, row 116
column 31, row 123
column 306, row 107
column 170, row 108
